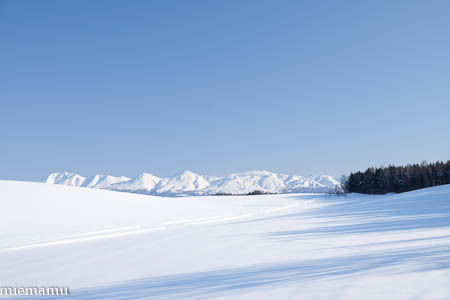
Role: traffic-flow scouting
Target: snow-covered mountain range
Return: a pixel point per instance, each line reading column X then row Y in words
column 188, row 183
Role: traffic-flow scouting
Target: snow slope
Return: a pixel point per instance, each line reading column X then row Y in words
column 108, row 245
column 189, row 183
column 103, row 181
column 185, row 183
column 66, row 178
column 73, row 179
column 143, row 183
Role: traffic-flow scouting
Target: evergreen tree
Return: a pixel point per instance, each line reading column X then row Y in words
column 398, row 179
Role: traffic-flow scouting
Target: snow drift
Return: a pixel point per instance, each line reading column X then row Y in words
column 109, row 245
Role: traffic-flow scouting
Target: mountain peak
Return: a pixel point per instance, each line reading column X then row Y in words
column 65, row 178
column 190, row 183
column 146, row 176
column 188, row 173
column 103, row 181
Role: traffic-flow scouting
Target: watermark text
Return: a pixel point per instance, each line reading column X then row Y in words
column 34, row 291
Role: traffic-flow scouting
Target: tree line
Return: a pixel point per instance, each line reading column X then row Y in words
column 398, row 179
column 247, row 194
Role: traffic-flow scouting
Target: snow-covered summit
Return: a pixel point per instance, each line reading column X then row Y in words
column 143, row 183
column 190, row 183
column 103, row 181
column 186, row 182
column 66, row 178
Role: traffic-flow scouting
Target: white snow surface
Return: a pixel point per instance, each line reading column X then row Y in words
column 109, row 245
column 66, row 178
column 103, row 181
column 143, row 183
column 189, row 183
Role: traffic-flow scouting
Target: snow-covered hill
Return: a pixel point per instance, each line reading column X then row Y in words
column 109, row 245
column 189, row 183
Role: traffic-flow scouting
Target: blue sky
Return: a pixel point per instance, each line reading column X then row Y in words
column 298, row 87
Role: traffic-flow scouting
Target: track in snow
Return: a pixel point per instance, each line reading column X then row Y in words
column 136, row 229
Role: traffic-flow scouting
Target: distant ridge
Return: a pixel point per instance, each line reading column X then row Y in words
column 188, row 183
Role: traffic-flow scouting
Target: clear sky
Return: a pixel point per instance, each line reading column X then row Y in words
column 297, row 87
